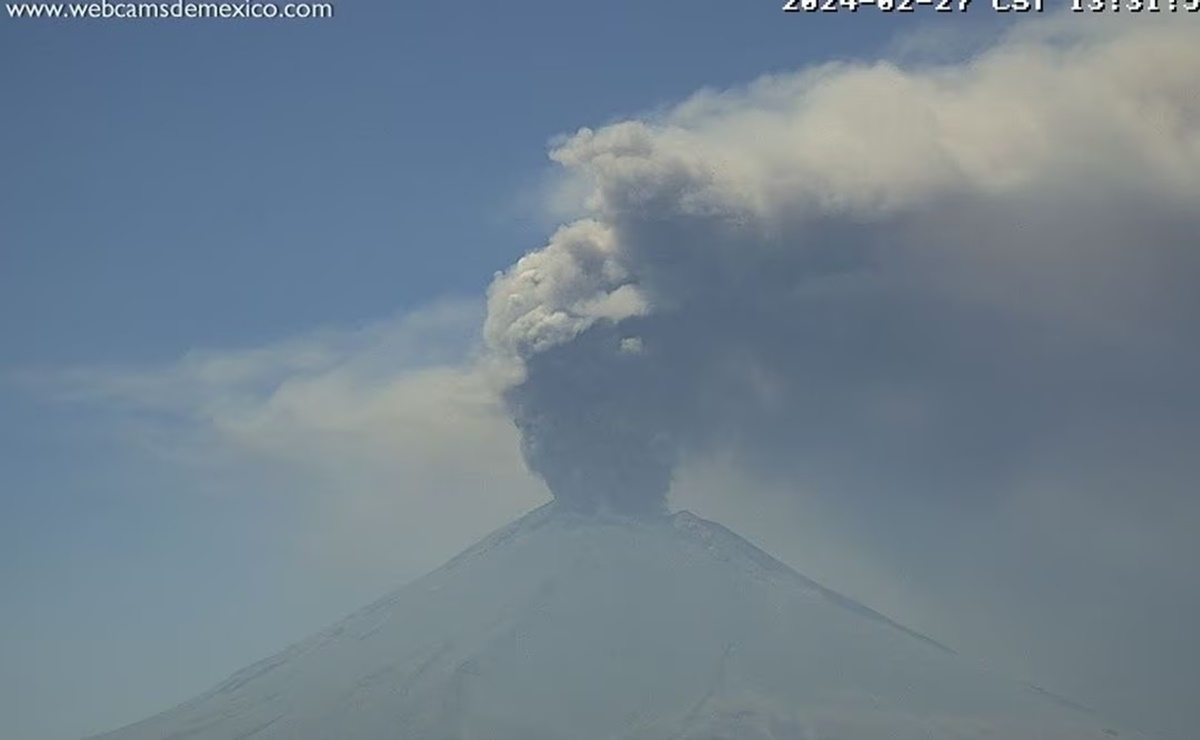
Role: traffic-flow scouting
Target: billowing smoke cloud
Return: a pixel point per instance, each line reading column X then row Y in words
column 930, row 279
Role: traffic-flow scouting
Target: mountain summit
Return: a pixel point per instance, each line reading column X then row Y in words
column 564, row 626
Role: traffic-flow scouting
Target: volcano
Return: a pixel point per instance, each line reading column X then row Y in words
column 565, row 626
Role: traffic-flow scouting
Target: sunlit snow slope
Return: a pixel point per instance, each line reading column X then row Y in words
column 567, row 627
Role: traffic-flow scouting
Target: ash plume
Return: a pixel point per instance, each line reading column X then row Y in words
column 935, row 276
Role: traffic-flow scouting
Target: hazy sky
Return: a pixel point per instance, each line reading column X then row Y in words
column 244, row 275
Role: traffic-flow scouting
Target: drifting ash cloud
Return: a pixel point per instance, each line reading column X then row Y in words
column 389, row 437
column 939, row 319
column 939, row 274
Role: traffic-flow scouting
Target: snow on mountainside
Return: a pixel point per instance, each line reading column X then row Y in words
column 570, row 627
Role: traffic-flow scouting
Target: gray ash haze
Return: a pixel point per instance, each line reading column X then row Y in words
column 935, row 282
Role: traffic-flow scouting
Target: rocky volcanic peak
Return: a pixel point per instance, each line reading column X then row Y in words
column 580, row 627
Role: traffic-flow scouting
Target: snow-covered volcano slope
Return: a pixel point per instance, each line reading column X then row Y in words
column 567, row 627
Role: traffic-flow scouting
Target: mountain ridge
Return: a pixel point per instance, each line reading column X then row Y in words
column 571, row 625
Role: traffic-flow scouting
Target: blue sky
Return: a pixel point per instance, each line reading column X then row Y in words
column 176, row 187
